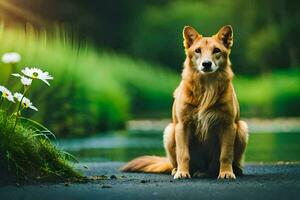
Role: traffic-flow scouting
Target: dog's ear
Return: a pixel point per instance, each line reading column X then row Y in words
column 189, row 36
column 225, row 35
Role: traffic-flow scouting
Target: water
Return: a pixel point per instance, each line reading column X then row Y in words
column 124, row 145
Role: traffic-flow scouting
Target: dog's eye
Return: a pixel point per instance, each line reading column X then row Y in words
column 198, row 50
column 216, row 50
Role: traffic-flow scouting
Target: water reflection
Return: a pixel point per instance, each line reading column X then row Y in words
column 125, row 145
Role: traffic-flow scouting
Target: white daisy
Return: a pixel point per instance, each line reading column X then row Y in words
column 26, row 103
column 36, row 73
column 11, row 57
column 6, row 94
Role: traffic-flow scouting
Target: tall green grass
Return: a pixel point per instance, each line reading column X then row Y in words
column 94, row 90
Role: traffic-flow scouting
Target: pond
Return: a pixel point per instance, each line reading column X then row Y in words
column 125, row 145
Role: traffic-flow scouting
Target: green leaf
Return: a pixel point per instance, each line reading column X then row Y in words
column 70, row 157
column 38, row 126
column 40, row 134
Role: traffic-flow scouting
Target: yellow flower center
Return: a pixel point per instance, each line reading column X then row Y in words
column 5, row 95
column 35, row 75
column 25, row 105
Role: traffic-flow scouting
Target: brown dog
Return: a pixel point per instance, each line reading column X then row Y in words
column 207, row 136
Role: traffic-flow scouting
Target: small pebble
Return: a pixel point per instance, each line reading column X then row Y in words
column 113, row 177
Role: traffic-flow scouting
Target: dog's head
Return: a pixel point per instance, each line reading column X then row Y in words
column 208, row 54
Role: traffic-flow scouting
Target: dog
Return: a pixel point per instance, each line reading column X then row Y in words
column 206, row 136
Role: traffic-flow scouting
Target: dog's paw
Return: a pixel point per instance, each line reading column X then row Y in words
column 182, row 175
column 226, row 175
column 174, row 170
column 199, row 174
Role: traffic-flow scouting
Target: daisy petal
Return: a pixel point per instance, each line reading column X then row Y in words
column 33, row 108
column 18, row 96
column 26, row 81
column 16, row 75
column 11, row 98
column 45, row 81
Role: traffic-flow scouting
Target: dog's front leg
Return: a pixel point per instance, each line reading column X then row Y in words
column 182, row 152
column 227, row 137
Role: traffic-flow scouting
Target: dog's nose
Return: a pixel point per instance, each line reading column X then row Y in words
column 207, row 64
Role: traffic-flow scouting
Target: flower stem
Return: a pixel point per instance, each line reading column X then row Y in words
column 1, row 101
column 19, row 105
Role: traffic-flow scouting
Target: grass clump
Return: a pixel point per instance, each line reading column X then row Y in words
column 28, row 156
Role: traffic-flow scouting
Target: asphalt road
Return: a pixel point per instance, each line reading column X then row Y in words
column 280, row 181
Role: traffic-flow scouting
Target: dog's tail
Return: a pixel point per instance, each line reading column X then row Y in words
column 150, row 164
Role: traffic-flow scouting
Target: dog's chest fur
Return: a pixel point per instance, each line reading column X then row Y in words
column 204, row 104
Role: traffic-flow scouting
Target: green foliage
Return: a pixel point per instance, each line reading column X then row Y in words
column 27, row 154
column 265, row 46
column 270, row 95
column 91, row 91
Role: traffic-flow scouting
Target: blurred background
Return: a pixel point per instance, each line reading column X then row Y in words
column 116, row 63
